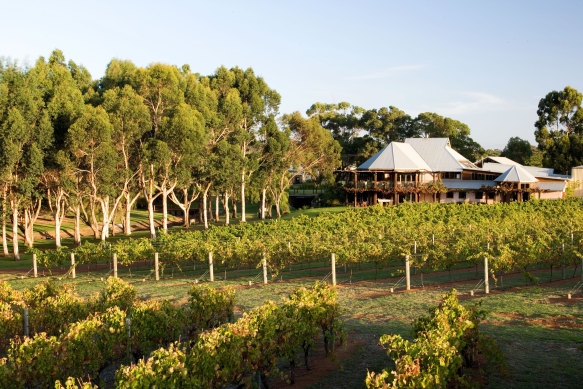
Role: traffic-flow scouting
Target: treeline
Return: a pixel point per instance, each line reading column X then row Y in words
column 362, row 132
column 92, row 148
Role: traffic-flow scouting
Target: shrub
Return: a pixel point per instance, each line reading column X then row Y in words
column 117, row 293
column 155, row 324
column 209, row 307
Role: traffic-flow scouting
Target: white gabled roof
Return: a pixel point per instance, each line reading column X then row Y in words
column 439, row 155
column 503, row 160
column 395, row 156
column 516, row 173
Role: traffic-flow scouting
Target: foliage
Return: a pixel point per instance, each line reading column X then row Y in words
column 445, row 341
column 208, row 307
column 117, row 293
column 236, row 353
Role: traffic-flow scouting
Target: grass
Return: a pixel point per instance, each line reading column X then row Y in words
column 537, row 354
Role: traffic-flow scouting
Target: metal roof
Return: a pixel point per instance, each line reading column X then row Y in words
column 468, row 184
column 395, row 156
column 502, row 160
column 516, row 173
column 439, row 155
column 551, row 186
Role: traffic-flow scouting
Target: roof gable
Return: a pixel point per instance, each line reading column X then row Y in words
column 395, row 156
column 516, row 173
column 439, row 155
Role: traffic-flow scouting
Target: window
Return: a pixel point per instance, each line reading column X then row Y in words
column 462, row 195
column 449, row 195
column 524, row 186
column 450, row 175
column 479, row 195
column 491, row 195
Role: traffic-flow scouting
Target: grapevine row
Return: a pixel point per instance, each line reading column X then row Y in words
column 438, row 236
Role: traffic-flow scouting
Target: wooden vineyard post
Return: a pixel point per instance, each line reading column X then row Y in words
column 264, row 269
column 114, row 265
column 486, row 281
column 156, row 267
column 211, row 269
column 73, row 265
column 408, row 272
column 34, row 268
column 333, row 268
column 25, row 322
column 415, row 256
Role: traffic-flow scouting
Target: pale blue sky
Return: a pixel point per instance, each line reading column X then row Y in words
column 486, row 64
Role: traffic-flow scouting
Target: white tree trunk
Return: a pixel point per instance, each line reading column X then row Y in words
column 165, row 210
column 57, row 229
column 105, row 212
column 127, row 226
column 151, row 218
column 204, row 208
column 243, row 218
column 217, row 208
column 77, row 233
column 263, row 194
column 15, row 231
column 4, row 240
column 226, row 207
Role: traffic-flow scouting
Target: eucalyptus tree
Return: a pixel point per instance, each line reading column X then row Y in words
column 274, row 161
column 559, row 129
column 223, row 103
column 429, row 124
column 160, row 86
column 90, row 143
column 62, row 86
column 312, row 150
column 183, row 132
column 25, row 135
column 259, row 103
column 130, row 120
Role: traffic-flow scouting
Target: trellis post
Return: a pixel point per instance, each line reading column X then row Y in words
column 408, row 272
column 211, row 269
column 156, row 267
column 264, row 269
column 333, row 258
column 114, row 265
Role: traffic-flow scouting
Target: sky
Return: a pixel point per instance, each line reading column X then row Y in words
column 484, row 63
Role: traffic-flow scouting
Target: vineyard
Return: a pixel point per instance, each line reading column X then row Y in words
column 65, row 338
column 514, row 237
column 131, row 330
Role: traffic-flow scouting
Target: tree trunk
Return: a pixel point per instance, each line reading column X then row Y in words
column 204, row 207
column 226, row 207
column 4, row 241
column 263, row 194
column 234, row 206
column 105, row 212
column 217, row 218
column 149, row 194
column 277, row 201
column 165, row 210
column 57, row 227
column 14, row 206
column 77, row 225
column 151, row 218
column 243, row 219
column 4, row 214
column 94, row 224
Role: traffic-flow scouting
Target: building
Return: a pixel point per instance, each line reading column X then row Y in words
column 429, row 169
